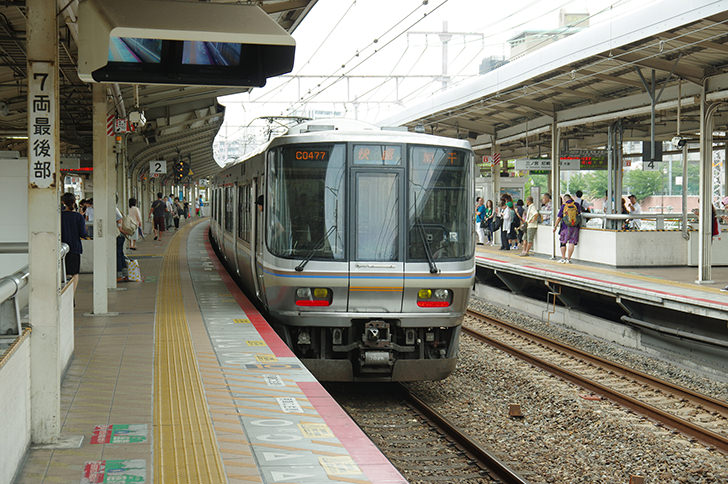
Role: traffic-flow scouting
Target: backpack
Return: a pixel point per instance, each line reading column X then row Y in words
column 572, row 217
column 128, row 225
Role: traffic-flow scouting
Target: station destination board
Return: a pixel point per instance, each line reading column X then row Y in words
column 572, row 160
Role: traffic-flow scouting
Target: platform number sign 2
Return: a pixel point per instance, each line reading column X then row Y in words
column 157, row 168
column 42, row 120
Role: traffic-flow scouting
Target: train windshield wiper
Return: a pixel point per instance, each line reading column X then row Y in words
column 426, row 244
column 317, row 246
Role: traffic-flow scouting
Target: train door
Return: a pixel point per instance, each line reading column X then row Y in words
column 259, row 237
column 376, row 265
column 237, row 200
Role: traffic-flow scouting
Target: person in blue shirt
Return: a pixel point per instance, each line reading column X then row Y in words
column 73, row 228
column 480, row 220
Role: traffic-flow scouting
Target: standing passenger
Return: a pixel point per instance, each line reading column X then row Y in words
column 73, row 228
column 569, row 218
column 546, row 206
column 489, row 216
column 506, row 229
column 159, row 208
column 136, row 215
column 531, row 225
column 480, row 221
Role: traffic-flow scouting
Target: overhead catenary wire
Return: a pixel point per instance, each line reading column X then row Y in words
column 311, row 57
column 338, row 77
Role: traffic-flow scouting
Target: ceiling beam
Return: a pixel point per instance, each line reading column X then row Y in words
column 682, row 69
column 615, row 79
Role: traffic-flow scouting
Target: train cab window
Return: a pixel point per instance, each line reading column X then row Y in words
column 244, row 214
column 377, row 216
column 439, row 214
column 305, row 210
column 229, row 209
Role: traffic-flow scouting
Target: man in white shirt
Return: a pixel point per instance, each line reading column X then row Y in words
column 634, row 209
column 546, row 206
column 583, row 204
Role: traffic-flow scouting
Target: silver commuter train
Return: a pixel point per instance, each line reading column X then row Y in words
column 357, row 244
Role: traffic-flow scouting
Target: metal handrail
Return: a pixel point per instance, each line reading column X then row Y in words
column 11, row 285
column 628, row 216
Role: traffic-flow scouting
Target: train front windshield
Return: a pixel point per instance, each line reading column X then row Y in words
column 307, row 201
column 306, row 196
column 439, row 215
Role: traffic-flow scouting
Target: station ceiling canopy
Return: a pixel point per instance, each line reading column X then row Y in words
column 589, row 80
column 182, row 121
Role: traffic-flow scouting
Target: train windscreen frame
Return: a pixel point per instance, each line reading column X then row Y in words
column 439, row 211
column 306, row 212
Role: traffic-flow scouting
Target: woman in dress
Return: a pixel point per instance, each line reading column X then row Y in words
column 136, row 215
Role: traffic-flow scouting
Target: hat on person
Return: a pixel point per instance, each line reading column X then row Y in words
column 509, row 204
column 632, row 196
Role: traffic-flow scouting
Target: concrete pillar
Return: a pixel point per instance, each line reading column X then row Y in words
column 111, row 196
column 101, row 201
column 555, row 177
column 706, row 188
column 44, row 225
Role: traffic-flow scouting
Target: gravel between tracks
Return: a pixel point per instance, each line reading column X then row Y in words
column 563, row 436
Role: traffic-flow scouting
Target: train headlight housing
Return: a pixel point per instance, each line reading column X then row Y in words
column 313, row 296
column 434, row 298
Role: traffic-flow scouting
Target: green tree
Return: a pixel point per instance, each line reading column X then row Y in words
column 643, row 183
column 541, row 181
column 596, row 183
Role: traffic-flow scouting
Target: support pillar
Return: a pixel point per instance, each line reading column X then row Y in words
column 111, row 196
column 101, row 201
column 555, row 177
column 44, row 225
column 706, row 188
column 495, row 173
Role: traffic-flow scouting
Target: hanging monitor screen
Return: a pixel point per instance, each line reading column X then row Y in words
column 136, row 51
column 187, row 43
column 211, row 53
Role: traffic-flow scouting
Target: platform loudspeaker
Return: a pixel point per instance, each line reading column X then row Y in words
column 180, row 43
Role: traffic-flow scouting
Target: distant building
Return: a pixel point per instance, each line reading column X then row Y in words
column 531, row 40
column 491, row 63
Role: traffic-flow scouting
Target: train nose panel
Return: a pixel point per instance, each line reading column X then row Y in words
column 371, row 289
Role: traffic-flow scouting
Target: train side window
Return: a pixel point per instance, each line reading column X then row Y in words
column 229, row 196
column 244, row 213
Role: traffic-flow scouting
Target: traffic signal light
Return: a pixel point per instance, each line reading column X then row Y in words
column 181, row 169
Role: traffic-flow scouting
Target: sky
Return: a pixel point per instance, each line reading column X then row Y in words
column 393, row 54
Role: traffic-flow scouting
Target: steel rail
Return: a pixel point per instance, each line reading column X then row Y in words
column 466, row 442
column 706, row 401
column 704, row 435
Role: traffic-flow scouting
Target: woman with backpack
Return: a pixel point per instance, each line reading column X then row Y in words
column 569, row 218
column 136, row 216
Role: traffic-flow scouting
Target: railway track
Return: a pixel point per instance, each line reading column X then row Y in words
column 424, row 445
column 696, row 415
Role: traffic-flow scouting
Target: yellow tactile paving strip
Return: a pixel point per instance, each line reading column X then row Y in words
column 185, row 447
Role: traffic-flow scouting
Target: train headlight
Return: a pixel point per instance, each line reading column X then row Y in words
column 316, row 296
column 437, row 298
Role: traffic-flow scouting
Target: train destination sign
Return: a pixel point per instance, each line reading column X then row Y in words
column 377, row 155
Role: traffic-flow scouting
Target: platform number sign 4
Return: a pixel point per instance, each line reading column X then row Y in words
column 157, row 168
column 648, row 165
column 41, row 136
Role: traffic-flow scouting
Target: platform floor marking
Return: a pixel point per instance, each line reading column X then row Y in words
column 246, row 478
column 184, row 442
column 297, row 449
column 323, row 442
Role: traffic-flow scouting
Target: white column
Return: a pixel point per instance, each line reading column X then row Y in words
column 111, row 193
column 706, row 189
column 555, row 177
column 101, row 202
column 44, row 220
